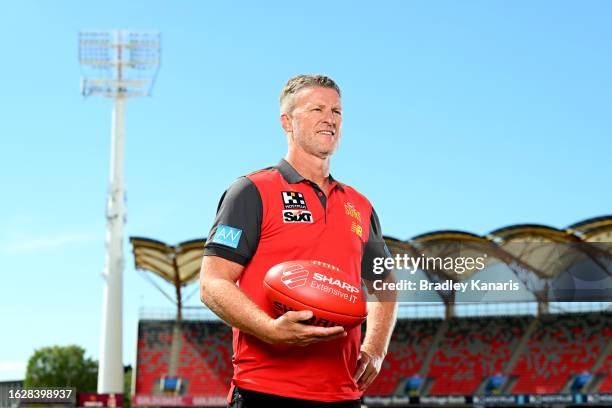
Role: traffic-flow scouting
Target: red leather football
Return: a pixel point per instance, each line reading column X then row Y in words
column 317, row 286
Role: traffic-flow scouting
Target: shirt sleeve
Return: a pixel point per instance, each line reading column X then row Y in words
column 237, row 227
column 375, row 248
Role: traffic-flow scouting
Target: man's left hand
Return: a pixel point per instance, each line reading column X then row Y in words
column 368, row 367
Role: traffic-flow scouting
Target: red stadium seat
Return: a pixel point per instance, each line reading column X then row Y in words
column 562, row 345
column 204, row 364
column 408, row 347
column 606, row 369
column 471, row 350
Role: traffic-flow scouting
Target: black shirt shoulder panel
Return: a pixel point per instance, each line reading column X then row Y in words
column 375, row 247
column 237, row 228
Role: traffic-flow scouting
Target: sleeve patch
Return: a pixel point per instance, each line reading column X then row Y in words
column 227, row 236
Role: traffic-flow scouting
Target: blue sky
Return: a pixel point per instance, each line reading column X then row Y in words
column 457, row 115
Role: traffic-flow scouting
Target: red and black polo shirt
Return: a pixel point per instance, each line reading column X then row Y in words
column 276, row 215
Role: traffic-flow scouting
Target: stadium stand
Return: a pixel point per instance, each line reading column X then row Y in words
column 204, row 357
column 465, row 353
column 154, row 340
column 561, row 346
column 471, row 350
column 409, row 344
column 606, row 385
column 606, row 371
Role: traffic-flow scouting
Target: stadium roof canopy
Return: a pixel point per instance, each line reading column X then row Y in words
column 177, row 264
column 454, row 244
column 530, row 233
column 598, row 229
column 397, row 246
column 544, row 250
column 537, row 254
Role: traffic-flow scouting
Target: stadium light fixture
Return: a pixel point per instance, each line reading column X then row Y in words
column 117, row 64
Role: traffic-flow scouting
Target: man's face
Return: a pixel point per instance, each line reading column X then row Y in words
column 315, row 121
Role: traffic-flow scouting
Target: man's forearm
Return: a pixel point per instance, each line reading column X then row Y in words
column 379, row 327
column 227, row 301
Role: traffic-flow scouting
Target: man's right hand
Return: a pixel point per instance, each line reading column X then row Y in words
column 288, row 329
column 219, row 292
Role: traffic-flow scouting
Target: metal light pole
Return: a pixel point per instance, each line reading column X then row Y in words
column 117, row 64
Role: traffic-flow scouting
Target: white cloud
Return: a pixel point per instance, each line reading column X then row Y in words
column 12, row 370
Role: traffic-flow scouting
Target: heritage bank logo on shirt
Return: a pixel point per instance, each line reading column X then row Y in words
column 227, row 236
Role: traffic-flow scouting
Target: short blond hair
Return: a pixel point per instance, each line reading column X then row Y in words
column 297, row 83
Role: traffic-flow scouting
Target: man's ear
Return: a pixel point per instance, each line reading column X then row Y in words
column 286, row 122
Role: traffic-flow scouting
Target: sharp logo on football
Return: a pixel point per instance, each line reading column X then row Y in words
column 295, row 276
column 336, row 282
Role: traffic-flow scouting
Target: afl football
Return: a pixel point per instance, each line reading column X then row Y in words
column 317, row 286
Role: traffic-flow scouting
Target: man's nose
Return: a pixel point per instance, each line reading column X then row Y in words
column 329, row 117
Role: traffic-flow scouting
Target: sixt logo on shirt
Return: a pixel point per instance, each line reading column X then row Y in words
column 227, row 236
column 290, row 216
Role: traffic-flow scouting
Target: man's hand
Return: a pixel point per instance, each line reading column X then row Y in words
column 219, row 292
column 368, row 367
column 287, row 329
column 379, row 327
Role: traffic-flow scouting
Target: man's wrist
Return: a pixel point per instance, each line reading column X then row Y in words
column 373, row 350
column 267, row 332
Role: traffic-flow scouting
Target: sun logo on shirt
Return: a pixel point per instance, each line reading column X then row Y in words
column 351, row 211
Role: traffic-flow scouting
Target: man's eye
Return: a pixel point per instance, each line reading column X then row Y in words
column 317, row 109
column 337, row 112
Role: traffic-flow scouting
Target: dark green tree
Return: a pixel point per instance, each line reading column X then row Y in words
column 59, row 366
column 127, row 386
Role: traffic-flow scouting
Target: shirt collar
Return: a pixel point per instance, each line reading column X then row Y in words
column 291, row 175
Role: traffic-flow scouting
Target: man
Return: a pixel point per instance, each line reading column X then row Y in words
column 296, row 210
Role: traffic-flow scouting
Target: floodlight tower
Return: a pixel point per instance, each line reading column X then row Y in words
column 116, row 64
